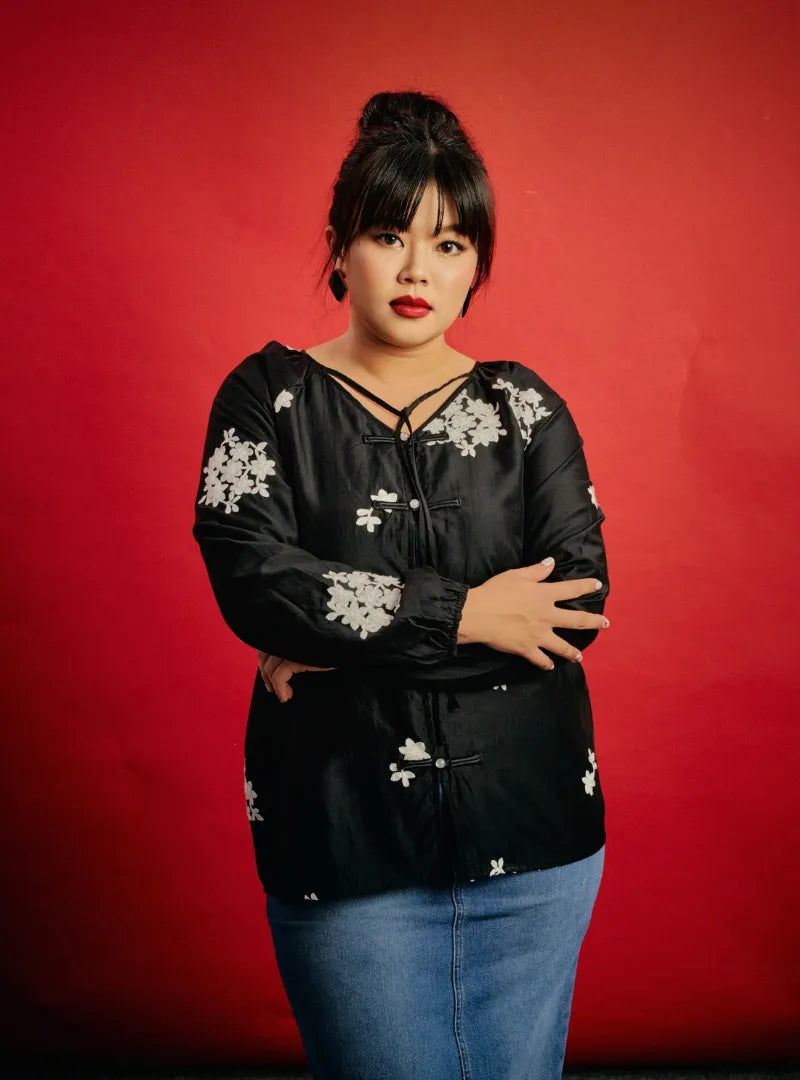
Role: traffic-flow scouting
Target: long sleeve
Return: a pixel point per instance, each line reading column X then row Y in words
column 562, row 517
column 277, row 596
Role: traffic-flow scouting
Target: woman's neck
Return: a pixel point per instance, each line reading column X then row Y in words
column 377, row 365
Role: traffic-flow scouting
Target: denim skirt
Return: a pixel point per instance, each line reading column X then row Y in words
column 472, row 981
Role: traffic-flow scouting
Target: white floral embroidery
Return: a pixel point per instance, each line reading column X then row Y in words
column 405, row 775
column 468, row 422
column 414, row 751
column 362, row 599
column 500, row 686
column 497, row 867
column 526, row 406
column 590, row 489
column 283, row 400
column 589, row 777
column 234, row 469
column 411, row 750
column 369, row 516
column 253, row 813
column 313, row 896
column 385, row 496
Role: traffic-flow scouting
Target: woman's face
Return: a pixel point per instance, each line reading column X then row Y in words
column 380, row 266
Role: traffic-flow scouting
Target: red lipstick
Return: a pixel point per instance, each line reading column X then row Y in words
column 412, row 307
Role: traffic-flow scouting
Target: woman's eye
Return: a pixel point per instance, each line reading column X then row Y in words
column 393, row 236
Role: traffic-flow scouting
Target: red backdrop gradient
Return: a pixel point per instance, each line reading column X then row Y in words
column 168, row 168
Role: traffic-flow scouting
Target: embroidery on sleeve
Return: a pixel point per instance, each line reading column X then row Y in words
column 590, row 489
column 497, row 867
column 312, row 896
column 526, row 406
column 589, row 777
column 253, row 813
column 234, row 469
column 283, row 400
column 467, row 422
column 363, row 600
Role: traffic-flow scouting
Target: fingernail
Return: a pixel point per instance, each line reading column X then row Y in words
column 578, row 658
column 598, row 584
column 606, row 623
column 548, row 561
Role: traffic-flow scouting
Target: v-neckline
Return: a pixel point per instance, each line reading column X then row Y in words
column 330, row 373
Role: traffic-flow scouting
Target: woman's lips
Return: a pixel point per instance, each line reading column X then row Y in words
column 410, row 311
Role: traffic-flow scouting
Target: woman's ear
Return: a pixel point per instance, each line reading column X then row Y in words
column 330, row 236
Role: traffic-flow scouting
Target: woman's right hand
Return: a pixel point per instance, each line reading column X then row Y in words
column 515, row 612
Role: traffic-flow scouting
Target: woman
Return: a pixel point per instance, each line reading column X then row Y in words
column 374, row 514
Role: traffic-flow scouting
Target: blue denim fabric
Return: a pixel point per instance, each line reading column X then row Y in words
column 469, row 982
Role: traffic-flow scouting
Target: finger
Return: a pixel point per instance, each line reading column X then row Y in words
column 540, row 659
column 573, row 588
column 268, row 668
column 266, row 678
column 271, row 664
column 578, row 620
column 555, row 644
column 535, row 571
column 280, row 680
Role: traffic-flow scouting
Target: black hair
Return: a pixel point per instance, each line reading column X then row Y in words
column 404, row 140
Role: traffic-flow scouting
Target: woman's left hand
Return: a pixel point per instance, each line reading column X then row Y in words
column 276, row 673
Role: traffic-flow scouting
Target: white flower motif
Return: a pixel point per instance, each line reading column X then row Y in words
column 385, row 496
column 497, row 867
column 590, row 489
column 526, row 406
column 500, row 686
column 253, row 813
column 369, row 516
column 366, row 517
column 313, row 896
column 235, row 468
column 283, row 400
column 404, row 775
column 590, row 776
column 467, row 422
column 414, row 751
column 363, row 600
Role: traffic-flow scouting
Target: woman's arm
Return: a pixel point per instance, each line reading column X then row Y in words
column 278, row 597
column 562, row 517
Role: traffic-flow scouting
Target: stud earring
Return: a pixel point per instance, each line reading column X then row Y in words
column 466, row 302
column 337, row 285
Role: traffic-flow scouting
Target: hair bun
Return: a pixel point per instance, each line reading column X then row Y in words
column 389, row 110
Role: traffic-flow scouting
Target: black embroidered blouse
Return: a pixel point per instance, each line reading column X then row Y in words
column 333, row 539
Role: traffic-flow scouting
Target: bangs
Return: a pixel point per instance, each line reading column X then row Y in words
column 398, row 183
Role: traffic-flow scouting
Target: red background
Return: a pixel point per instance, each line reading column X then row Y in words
column 167, row 174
